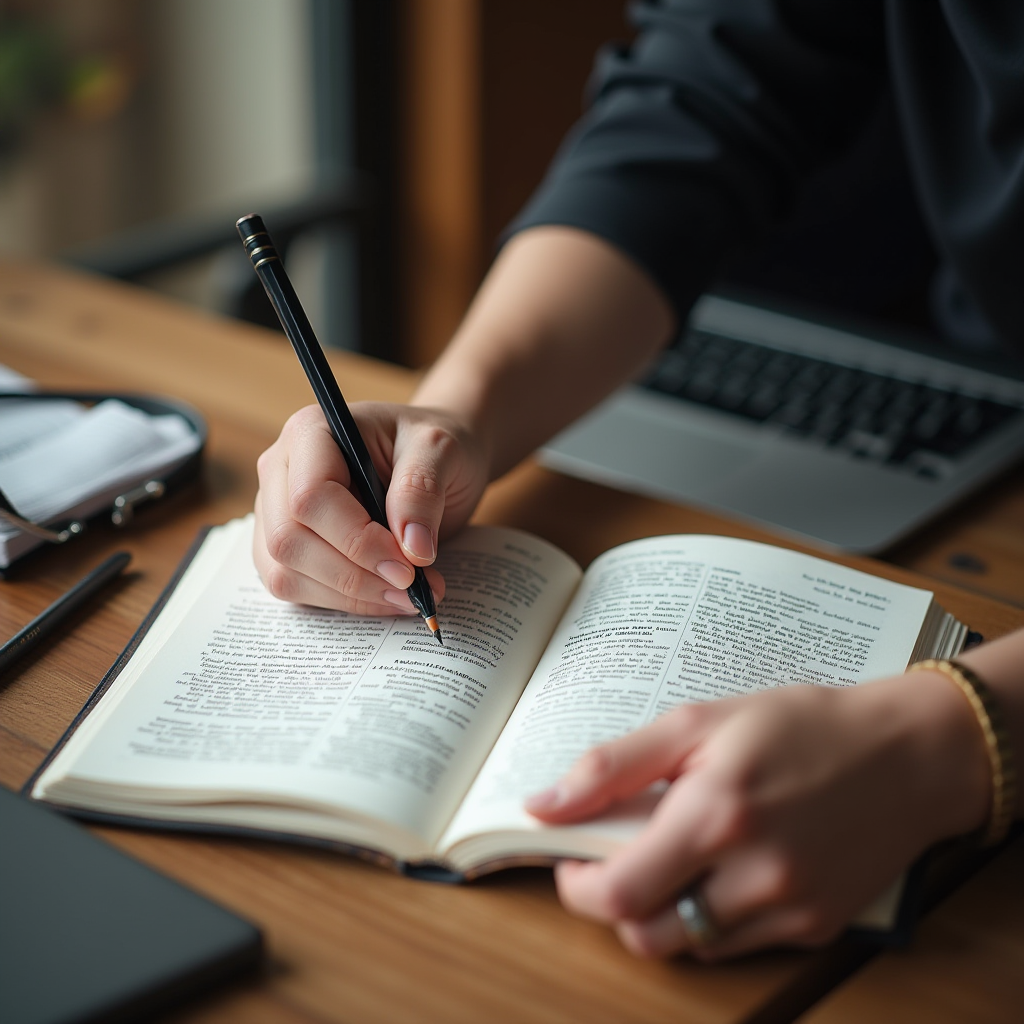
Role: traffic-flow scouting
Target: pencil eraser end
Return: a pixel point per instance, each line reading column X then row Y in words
column 250, row 224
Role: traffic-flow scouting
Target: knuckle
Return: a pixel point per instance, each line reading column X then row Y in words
column 281, row 583
column 437, row 438
column 639, row 941
column 368, row 608
column 358, row 545
column 617, row 900
column 597, row 765
column 781, row 883
column 418, row 483
column 306, row 502
column 813, row 927
column 301, row 419
column 686, row 716
column 263, row 462
column 730, row 821
column 346, row 581
column 283, row 542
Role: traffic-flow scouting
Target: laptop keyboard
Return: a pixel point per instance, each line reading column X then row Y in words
column 919, row 427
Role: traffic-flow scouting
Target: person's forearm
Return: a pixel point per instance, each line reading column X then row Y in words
column 561, row 320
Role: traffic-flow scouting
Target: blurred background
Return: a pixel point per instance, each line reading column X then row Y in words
column 386, row 142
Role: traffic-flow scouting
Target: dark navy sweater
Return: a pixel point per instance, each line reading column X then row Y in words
column 702, row 133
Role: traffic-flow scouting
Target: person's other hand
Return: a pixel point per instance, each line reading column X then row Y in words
column 790, row 810
column 315, row 544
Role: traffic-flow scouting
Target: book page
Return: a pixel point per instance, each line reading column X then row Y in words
column 672, row 619
column 237, row 696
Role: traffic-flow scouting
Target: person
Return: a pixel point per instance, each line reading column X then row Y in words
column 787, row 810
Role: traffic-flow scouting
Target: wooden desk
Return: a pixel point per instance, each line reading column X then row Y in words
column 347, row 941
column 966, row 962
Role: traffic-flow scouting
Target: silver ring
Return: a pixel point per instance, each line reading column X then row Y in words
column 698, row 921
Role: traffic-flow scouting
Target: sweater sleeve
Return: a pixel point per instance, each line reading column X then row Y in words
column 699, row 134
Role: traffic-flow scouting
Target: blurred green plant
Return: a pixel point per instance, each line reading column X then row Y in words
column 30, row 79
column 38, row 76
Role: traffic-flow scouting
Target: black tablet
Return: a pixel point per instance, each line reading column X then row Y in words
column 89, row 934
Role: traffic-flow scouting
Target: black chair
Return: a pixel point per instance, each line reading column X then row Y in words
column 151, row 248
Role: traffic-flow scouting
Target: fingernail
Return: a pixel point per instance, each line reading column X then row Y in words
column 418, row 540
column 546, row 799
column 398, row 575
column 400, row 599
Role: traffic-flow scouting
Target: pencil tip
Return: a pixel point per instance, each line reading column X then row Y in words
column 431, row 622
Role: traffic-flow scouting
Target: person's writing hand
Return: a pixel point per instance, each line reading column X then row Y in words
column 315, row 544
column 789, row 809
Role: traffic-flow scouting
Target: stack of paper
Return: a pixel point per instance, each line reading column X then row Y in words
column 60, row 460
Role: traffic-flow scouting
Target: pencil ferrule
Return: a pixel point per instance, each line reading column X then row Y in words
column 269, row 251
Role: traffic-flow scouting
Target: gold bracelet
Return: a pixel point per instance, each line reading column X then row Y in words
column 997, row 743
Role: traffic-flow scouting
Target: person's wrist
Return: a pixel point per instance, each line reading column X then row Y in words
column 956, row 783
column 999, row 748
column 466, row 405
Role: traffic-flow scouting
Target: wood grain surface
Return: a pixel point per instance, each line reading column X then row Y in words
column 347, row 942
column 966, row 963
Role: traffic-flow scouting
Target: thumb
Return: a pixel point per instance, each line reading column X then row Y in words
column 424, row 466
column 623, row 767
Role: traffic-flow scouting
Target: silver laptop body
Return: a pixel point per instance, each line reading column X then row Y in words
column 740, row 439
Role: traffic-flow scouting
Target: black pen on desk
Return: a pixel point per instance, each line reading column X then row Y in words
column 46, row 622
column 370, row 490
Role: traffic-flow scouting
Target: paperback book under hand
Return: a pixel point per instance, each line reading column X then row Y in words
column 237, row 711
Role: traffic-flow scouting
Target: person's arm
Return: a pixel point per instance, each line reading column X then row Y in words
column 791, row 809
column 562, row 319
column 698, row 137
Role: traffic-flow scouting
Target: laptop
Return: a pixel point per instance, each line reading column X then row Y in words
column 831, row 437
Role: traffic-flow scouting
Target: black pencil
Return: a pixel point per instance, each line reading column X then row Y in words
column 369, row 488
column 44, row 624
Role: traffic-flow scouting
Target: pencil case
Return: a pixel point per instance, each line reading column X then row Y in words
column 21, row 532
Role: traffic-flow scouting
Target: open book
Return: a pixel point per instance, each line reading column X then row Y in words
column 239, row 711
